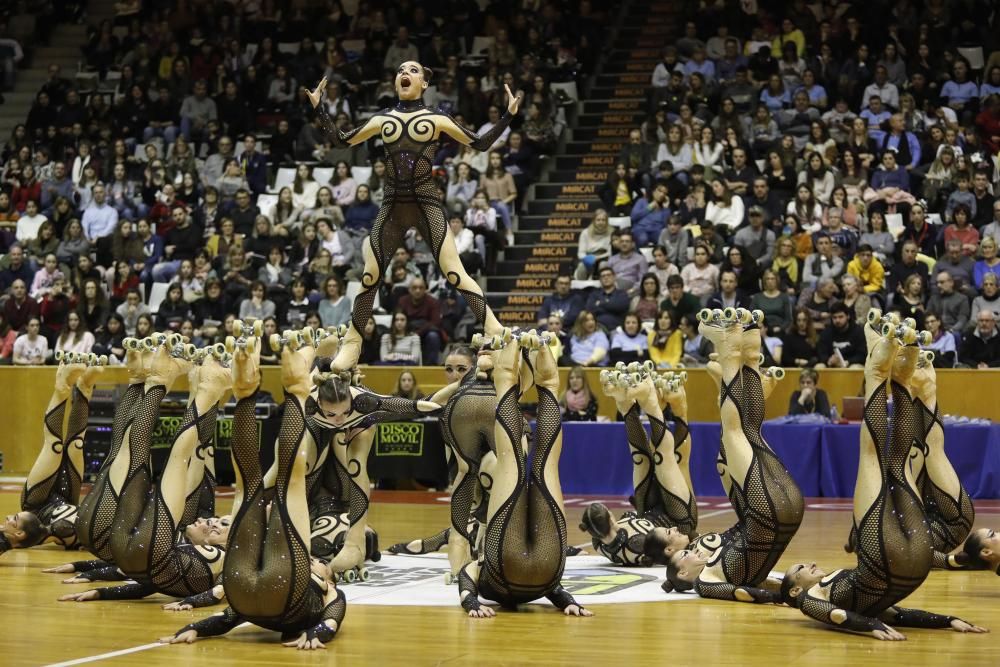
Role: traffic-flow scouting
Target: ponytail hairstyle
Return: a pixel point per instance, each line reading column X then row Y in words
column 785, row 592
column 674, row 581
column 971, row 555
column 333, row 387
column 35, row 532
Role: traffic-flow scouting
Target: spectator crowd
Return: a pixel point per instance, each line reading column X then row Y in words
column 182, row 181
column 812, row 160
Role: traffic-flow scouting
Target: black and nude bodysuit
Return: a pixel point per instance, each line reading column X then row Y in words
column 630, row 537
column 144, row 541
column 409, row 132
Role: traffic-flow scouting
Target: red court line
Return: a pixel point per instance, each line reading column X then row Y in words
column 705, row 503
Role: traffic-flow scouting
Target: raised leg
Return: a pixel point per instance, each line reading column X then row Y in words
column 353, row 553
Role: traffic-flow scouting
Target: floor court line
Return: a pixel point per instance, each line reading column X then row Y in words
column 107, row 656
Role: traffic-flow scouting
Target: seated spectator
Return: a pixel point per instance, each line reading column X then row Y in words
column 700, row 277
column 920, row 231
column 801, row 340
column 808, row 211
column 31, row 348
column 30, row 223
column 960, row 266
column 578, row 403
column 360, row 214
column 500, row 189
column 725, row 210
column 424, row 314
column 662, row 269
column 989, row 263
column 335, row 307
column 589, row 344
column 867, row 269
column 809, row 399
column 675, row 240
column 75, row 337
column 646, row 303
column 257, row 306
column 906, row 266
column 629, row 341
column 747, row 271
column 45, row 277
column 7, row 337
column 461, row 188
column 852, row 296
column 407, row 387
column 910, row 302
column 942, row 341
column 620, row 192
column 774, row 303
column 845, row 239
column 756, row 238
column 823, row 263
column 593, row 246
column 608, row 304
column 144, row 326
column 343, row 187
column 649, row 216
column 882, row 242
column 173, row 310
column 842, row 344
column 465, row 243
column 786, row 266
column 729, row 295
column 980, row 349
column 629, row 265
column 268, row 356
column 481, row 220
column 988, row 300
column 111, row 339
column 665, row 341
column 951, row 306
column 696, row 348
column 563, row 301
column 131, row 309
column 400, row 345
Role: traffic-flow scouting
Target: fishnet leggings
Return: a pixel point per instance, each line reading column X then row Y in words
column 266, row 574
column 651, row 497
column 893, row 541
column 950, row 518
column 525, row 544
column 144, row 538
column 40, row 494
column 201, row 501
column 467, row 424
column 97, row 511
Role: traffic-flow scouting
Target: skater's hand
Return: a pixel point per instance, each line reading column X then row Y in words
column 482, row 612
column 186, row 637
column 958, row 625
column 179, row 605
column 887, row 634
column 577, row 610
column 79, row 579
column 513, row 101
column 316, row 95
column 85, row 596
column 60, row 569
column 304, row 643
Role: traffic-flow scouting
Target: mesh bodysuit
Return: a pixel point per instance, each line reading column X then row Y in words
column 332, row 487
column 200, row 503
column 54, row 500
column 630, row 537
column 950, row 517
column 409, row 133
column 653, row 501
column 524, row 550
column 144, row 535
column 894, row 546
column 267, row 576
column 97, row 511
column 768, row 503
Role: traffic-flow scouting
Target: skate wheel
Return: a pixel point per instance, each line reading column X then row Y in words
column 925, row 338
column 874, row 315
column 683, row 376
column 910, row 322
column 59, row 355
column 929, row 356
column 477, row 340
column 191, row 352
column 449, row 579
column 888, row 330
column 251, row 345
column 307, row 336
column 894, row 318
column 705, row 315
column 605, row 377
column 729, row 314
column 743, row 316
column 102, row 360
column 238, row 327
column 230, row 344
column 497, row 343
column 636, row 378
column 364, row 574
column 908, row 335
column 620, row 366
column 633, row 367
column 218, row 351
column 649, row 366
column 173, row 340
column 342, row 330
column 760, row 358
column 275, row 342
column 149, row 344
column 350, row 576
column 258, row 328
column 757, row 316
column 506, row 336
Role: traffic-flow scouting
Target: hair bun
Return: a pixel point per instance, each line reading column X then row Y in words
column 667, row 586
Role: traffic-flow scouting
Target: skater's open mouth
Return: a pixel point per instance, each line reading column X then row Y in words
column 404, row 82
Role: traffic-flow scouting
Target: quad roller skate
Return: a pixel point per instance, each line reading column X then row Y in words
column 243, row 329
column 174, row 343
column 293, row 340
column 355, row 574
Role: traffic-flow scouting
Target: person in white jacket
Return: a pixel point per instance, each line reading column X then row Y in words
column 725, row 207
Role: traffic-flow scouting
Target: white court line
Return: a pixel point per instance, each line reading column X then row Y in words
column 105, row 656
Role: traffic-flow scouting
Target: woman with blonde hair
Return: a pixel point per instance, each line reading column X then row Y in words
column 578, row 402
column 666, row 343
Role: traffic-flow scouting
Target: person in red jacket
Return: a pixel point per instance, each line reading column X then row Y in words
column 424, row 314
column 20, row 307
column 28, row 189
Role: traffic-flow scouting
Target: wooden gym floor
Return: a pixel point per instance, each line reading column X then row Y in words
column 39, row 630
